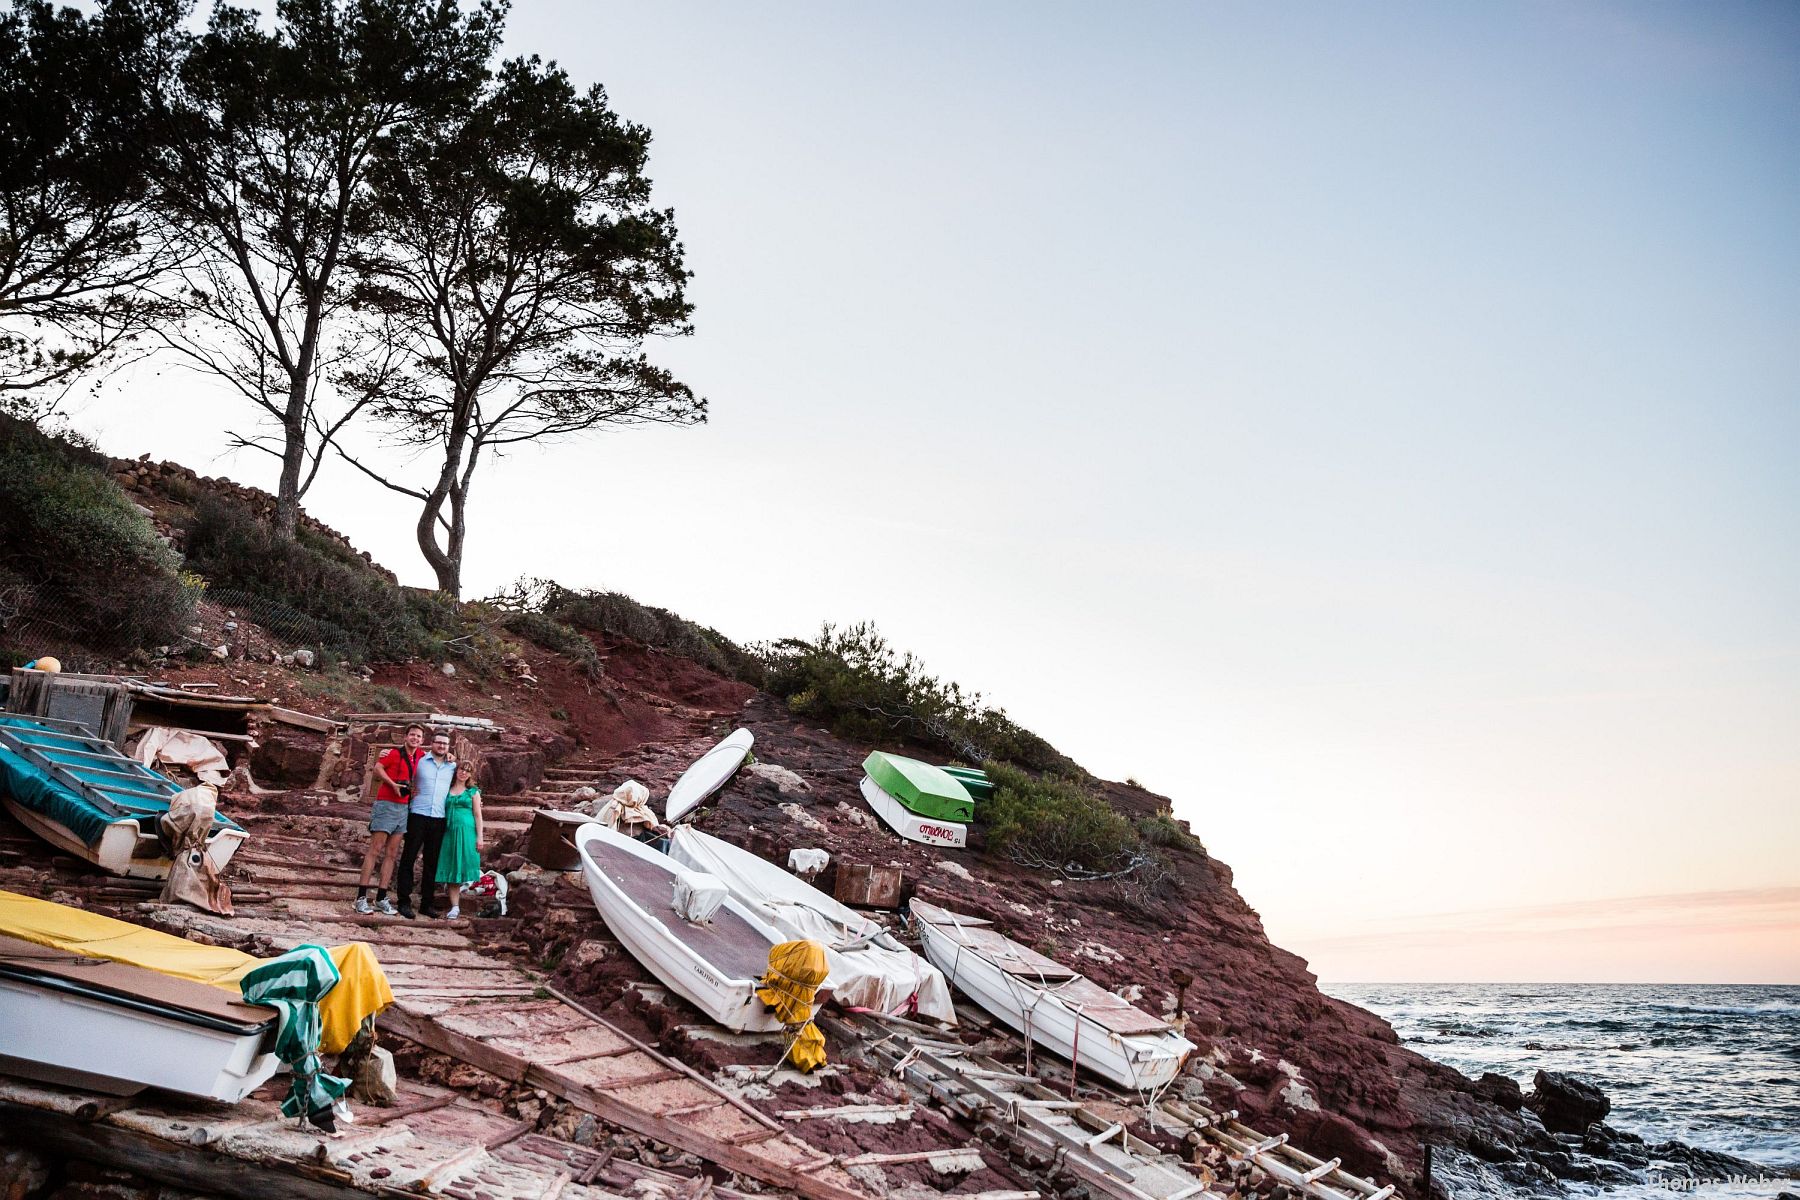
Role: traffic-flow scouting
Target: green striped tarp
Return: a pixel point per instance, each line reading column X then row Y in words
column 293, row 985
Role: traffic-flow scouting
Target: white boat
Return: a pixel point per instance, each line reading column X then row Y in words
column 125, row 847
column 869, row 968
column 714, row 964
column 1059, row 1009
column 910, row 825
column 707, row 775
column 85, row 798
column 115, row 1028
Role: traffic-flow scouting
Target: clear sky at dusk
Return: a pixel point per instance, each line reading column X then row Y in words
column 1373, row 426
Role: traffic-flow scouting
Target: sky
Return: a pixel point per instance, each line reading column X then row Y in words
column 1372, row 426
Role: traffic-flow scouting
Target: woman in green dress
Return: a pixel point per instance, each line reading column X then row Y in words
column 459, row 861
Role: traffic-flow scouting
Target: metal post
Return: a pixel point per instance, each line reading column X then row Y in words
column 1428, row 1171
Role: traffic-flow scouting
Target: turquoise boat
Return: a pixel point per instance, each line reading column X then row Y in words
column 975, row 781
column 81, row 795
column 920, row 787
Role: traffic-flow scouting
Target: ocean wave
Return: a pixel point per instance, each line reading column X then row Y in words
column 1731, row 1010
column 1714, row 1066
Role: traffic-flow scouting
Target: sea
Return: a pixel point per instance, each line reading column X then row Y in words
column 1715, row 1066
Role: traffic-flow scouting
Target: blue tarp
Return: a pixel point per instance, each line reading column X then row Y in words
column 30, row 787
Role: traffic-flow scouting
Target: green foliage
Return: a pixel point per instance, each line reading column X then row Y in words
column 1162, row 829
column 78, row 242
column 512, row 270
column 561, row 638
column 619, row 615
column 315, row 576
column 354, row 693
column 75, row 556
column 1055, row 824
column 853, row 681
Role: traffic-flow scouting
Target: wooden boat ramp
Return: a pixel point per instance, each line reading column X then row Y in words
column 434, row 1141
column 1089, row 1136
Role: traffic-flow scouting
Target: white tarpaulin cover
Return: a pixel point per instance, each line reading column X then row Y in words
column 808, row 863
column 698, row 895
column 627, row 809
column 183, row 748
column 880, row 974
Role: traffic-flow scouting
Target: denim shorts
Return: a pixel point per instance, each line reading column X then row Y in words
column 388, row 817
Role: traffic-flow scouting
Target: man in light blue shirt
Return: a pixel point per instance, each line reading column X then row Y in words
column 425, row 825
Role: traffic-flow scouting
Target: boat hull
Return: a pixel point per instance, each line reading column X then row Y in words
column 709, row 773
column 1141, row 1062
column 124, row 848
column 722, row 992
column 122, row 1049
column 920, row 787
column 881, row 974
column 909, row 824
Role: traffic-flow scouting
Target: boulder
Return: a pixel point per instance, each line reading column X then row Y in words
column 1566, row 1104
column 507, row 769
column 375, row 1081
column 1500, row 1089
column 288, row 759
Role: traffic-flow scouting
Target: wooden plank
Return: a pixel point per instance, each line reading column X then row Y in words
column 755, row 1114
column 839, row 1112
column 301, row 720
column 427, row 1032
column 175, row 1163
column 1025, row 1117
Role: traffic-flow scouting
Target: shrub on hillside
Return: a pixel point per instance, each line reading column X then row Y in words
column 1055, row 824
column 619, row 615
column 555, row 636
column 1162, row 829
column 853, row 681
column 313, row 575
column 76, row 558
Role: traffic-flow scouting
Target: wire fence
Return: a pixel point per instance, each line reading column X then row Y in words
column 288, row 625
column 35, row 622
column 85, row 635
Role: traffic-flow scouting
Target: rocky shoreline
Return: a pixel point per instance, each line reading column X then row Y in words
column 1557, row 1134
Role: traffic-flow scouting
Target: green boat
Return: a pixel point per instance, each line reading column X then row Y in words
column 920, row 787
column 974, row 780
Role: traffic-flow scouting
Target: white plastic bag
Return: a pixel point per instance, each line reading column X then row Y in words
column 808, row 863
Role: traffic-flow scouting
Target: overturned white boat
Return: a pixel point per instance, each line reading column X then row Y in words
column 709, row 773
column 116, row 1028
column 932, row 831
column 84, row 797
column 714, row 963
column 869, row 968
column 1061, row 1010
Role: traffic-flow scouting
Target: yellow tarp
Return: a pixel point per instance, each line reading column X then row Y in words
column 361, row 991
column 796, row 969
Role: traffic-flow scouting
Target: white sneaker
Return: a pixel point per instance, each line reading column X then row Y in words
column 362, row 905
column 455, row 912
column 386, row 908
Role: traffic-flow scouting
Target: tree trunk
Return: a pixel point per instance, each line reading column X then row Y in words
column 293, row 458
column 293, row 437
column 446, row 564
column 452, row 489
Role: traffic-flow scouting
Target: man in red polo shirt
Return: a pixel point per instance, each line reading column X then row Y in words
column 387, row 820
